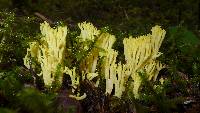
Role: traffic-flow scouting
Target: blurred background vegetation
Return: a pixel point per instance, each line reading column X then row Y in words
column 19, row 24
column 118, row 14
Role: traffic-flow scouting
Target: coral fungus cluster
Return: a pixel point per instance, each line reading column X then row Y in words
column 140, row 56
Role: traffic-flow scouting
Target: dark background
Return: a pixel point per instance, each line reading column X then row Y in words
column 119, row 14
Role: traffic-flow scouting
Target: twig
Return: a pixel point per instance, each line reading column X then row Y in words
column 125, row 13
column 44, row 18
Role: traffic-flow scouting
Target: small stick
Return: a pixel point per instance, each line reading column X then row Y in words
column 43, row 17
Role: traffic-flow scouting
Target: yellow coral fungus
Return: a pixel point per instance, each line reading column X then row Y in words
column 75, row 82
column 104, row 43
column 88, row 31
column 33, row 51
column 50, row 53
column 110, row 69
column 120, row 80
column 73, row 76
column 78, row 97
column 141, row 53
